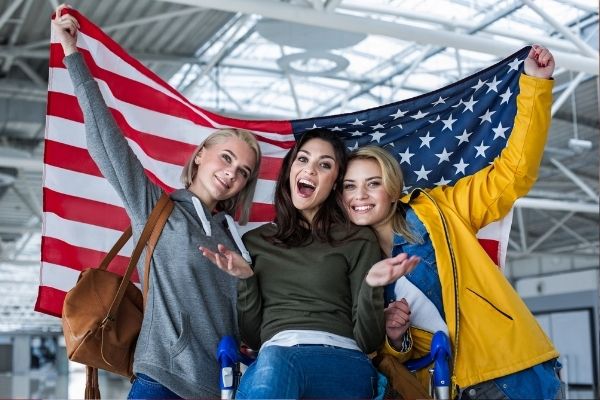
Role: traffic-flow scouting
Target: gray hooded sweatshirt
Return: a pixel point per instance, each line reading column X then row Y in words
column 191, row 303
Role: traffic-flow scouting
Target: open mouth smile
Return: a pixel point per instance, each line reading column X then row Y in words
column 305, row 187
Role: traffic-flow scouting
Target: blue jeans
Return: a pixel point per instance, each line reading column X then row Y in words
column 144, row 387
column 308, row 371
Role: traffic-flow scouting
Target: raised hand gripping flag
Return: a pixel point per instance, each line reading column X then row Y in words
column 438, row 138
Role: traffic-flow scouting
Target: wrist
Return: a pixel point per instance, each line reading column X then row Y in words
column 68, row 50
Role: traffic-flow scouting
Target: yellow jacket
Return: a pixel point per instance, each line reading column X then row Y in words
column 492, row 332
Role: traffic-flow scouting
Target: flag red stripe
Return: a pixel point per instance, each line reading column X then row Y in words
column 56, row 251
column 86, row 211
column 491, row 248
column 159, row 148
column 139, row 94
column 269, row 168
column 260, row 212
column 70, row 157
column 50, row 301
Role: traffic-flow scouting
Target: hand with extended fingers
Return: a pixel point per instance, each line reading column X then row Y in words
column 539, row 62
column 390, row 269
column 65, row 27
column 397, row 321
column 228, row 261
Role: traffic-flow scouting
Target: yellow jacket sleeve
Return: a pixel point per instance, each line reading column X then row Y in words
column 489, row 194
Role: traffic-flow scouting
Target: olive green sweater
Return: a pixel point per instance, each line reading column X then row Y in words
column 313, row 287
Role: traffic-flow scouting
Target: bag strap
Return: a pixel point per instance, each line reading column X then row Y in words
column 164, row 204
column 160, row 223
column 92, row 390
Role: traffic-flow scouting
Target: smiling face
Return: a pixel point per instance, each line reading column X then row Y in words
column 312, row 175
column 365, row 198
column 223, row 170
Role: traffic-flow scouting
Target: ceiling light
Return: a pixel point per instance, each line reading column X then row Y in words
column 312, row 63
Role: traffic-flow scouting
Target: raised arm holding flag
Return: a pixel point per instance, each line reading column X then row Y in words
column 499, row 350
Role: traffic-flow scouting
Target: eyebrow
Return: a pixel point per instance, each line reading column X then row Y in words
column 368, row 179
column 323, row 156
column 232, row 154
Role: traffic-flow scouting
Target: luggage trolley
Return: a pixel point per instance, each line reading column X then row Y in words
column 233, row 363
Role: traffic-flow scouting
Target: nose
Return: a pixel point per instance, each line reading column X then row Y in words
column 309, row 169
column 361, row 193
column 230, row 173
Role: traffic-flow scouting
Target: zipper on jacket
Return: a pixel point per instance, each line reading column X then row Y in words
column 490, row 303
column 455, row 276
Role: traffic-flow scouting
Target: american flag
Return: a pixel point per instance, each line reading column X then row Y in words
column 437, row 138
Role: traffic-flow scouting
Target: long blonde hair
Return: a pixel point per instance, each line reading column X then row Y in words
column 243, row 200
column 393, row 183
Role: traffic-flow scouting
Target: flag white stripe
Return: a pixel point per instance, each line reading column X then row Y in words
column 65, row 131
column 61, row 277
column 58, row 276
column 81, row 185
column 84, row 235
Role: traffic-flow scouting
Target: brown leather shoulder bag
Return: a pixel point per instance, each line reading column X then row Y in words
column 102, row 314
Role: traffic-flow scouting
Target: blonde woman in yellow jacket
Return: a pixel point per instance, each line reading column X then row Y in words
column 499, row 350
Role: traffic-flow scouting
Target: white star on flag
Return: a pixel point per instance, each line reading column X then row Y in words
column 460, row 167
column 505, row 96
column 376, row 136
column 481, row 150
column 464, row 137
column 358, row 122
column 443, row 181
column 499, row 131
column 419, row 115
column 444, row 156
column 448, row 122
column 439, row 101
column 469, row 104
column 493, row 85
column 425, row 140
column 422, row 173
column 514, row 65
column 479, row 84
column 398, row 114
column 405, row 157
column 486, row 117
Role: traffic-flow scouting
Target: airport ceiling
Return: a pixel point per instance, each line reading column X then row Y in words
column 300, row 58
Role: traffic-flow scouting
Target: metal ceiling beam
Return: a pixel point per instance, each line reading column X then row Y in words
column 581, row 45
column 548, row 41
column 577, row 180
column 219, row 55
column 129, row 24
column 411, row 33
column 490, row 19
column 9, row 12
column 547, row 204
column 565, row 228
column 581, row 5
column 566, row 93
column 550, row 231
column 29, row 164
